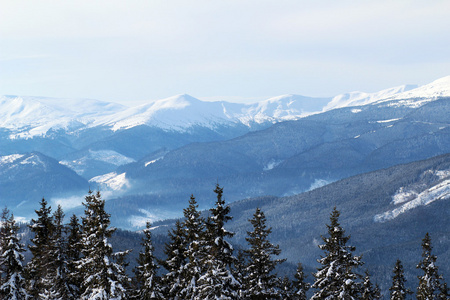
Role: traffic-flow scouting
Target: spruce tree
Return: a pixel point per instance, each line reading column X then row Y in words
column 261, row 282
column 240, row 270
column 286, row 289
column 147, row 282
column 41, row 265
column 194, row 227
column 73, row 255
column 174, row 264
column 430, row 282
column 14, row 285
column 4, row 217
column 60, row 288
column 103, row 277
column 218, row 282
column 370, row 292
column 398, row 289
column 300, row 286
column 336, row 278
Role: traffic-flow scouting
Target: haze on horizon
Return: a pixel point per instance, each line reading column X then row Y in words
column 129, row 51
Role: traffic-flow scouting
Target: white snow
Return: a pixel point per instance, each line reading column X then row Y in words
column 272, row 164
column 152, row 161
column 111, row 157
column 32, row 160
column 440, row 191
column 443, row 174
column 433, row 90
column 28, row 117
column 362, row 98
column 107, row 156
column 387, row 121
column 150, row 216
column 8, row 159
column 112, row 181
column 184, row 111
column 406, row 95
column 174, row 113
column 318, row 183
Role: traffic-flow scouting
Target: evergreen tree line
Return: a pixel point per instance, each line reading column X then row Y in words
column 76, row 261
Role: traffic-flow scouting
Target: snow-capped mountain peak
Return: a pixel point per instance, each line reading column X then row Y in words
column 362, row 98
column 433, row 90
column 177, row 112
column 27, row 117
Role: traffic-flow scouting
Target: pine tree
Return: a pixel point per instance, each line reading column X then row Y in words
column 430, row 283
column 369, row 291
column 218, row 281
column 262, row 282
column 41, row 265
column 60, row 288
column 336, row 279
column 73, row 254
column 194, row 227
column 286, row 289
column 398, row 289
column 174, row 264
column 4, row 217
column 148, row 283
column 14, row 285
column 299, row 285
column 239, row 271
column 445, row 292
column 103, row 278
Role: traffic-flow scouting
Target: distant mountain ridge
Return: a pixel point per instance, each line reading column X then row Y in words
column 239, row 145
column 27, row 117
column 298, row 221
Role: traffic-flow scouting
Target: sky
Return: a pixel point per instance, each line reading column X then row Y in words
column 135, row 51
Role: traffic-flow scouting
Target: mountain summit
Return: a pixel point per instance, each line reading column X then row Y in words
column 27, row 117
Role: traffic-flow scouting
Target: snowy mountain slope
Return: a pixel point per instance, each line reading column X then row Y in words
column 184, row 111
column 436, row 89
column 282, row 108
column 174, row 113
column 414, row 196
column 26, row 178
column 111, row 181
column 90, row 162
column 28, row 117
column 362, row 98
column 298, row 221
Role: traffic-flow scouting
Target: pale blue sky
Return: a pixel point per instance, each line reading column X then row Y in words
column 129, row 51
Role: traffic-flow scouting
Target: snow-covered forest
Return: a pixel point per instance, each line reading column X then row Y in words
column 76, row 261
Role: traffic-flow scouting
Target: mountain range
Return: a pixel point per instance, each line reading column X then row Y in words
column 386, row 212
column 148, row 159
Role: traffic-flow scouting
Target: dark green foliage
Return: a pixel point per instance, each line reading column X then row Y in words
column 336, row 278
column 218, row 281
column 261, row 281
column 174, row 263
column 58, row 277
column 148, row 285
column 194, row 235
column 73, row 254
column 103, row 278
column 369, row 292
column 11, row 257
column 431, row 283
column 41, row 267
column 398, row 289
column 300, row 286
